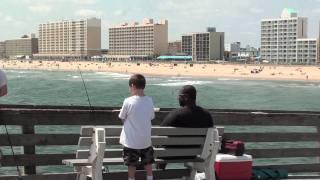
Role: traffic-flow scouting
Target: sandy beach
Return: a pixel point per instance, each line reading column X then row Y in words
column 254, row 72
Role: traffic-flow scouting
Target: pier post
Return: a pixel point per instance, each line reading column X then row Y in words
column 318, row 131
column 29, row 150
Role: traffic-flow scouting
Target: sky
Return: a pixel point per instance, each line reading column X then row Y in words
column 239, row 19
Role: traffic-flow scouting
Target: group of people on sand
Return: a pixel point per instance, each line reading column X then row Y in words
column 137, row 113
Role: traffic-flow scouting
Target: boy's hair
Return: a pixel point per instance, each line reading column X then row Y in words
column 138, row 81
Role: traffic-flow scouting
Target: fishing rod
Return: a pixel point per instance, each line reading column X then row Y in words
column 12, row 151
column 85, row 88
column 91, row 108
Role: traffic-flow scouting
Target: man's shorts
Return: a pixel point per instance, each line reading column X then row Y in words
column 131, row 156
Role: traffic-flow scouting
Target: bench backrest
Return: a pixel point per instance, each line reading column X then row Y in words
column 168, row 141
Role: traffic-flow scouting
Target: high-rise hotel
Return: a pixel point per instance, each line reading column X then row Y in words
column 284, row 40
column 138, row 41
column 204, row 46
column 74, row 38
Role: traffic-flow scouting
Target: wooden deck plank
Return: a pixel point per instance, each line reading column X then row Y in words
column 272, row 137
column 283, row 153
column 158, row 152
column 39, row 139
column 293, row 168
column 156, row 141
column 35, row 159
column 53, row 176
column 110, row 117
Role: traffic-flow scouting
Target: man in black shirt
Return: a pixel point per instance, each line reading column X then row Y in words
column 189, row 115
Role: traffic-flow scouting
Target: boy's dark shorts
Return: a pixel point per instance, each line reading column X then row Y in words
column 131, row 156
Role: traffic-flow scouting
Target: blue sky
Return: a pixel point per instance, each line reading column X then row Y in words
column 239, row 19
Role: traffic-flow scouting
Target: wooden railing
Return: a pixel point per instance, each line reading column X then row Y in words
column 279, row 135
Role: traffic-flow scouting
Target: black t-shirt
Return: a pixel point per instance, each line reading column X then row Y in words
column 188, row 117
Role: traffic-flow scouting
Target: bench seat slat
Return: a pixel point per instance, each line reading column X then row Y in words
column 157, row 174
column 158, row 152
column 117, row 161
column 156, row 141
column 87, row 131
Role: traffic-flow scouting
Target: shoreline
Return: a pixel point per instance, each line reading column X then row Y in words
column 232, row 71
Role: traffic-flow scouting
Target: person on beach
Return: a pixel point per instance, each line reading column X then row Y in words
column 189, row 115
column 136, row 113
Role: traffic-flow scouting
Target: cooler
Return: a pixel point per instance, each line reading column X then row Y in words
column 229, row 167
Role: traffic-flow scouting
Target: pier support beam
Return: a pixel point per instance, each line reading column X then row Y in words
column 29, row 150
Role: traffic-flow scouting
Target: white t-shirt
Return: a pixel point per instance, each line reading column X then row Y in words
column 137, row 113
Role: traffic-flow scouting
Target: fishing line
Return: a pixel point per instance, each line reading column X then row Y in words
column 12, row 151
column 85, row 88
column 91, row 108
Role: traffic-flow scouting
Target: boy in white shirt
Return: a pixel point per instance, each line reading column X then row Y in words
column 136, row 113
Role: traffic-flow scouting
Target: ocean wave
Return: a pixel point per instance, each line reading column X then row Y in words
column 228, row 79
column 182, row 83
column 114, row 75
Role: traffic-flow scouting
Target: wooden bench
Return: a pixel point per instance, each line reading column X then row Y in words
column 100, row 146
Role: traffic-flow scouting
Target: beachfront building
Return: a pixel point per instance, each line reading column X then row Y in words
column 232, row 50
column 204, row 46
column 318, row 51
column 280, row 38
column 70, row 39
column 2, row 50
column 174, row 48
column 23, row 47
column 186, row 45
column 136, row 41
column 306, row 51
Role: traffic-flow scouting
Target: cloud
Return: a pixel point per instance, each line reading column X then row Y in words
column 85, row 2
column 87, row 13
column 8, row 19
column 256, row 10
column 316, row 11
column 39, row 8
column 119, row 12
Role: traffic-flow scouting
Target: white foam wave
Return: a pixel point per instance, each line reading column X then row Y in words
column 114, row 75
column 182, row 83
column 228, row 79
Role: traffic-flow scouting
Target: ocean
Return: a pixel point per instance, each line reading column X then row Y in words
column 110, row 89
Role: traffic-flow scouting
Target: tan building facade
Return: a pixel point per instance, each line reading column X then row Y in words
column 79, row 38
column 2, row 49
column 318, row 50
column 21, row 47
column 204, row 46
column 174, row 48
column 138, row 40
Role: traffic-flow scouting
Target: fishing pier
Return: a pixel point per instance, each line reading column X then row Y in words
column 287, row 140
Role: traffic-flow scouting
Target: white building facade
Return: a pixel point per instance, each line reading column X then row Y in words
column 280, row 38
